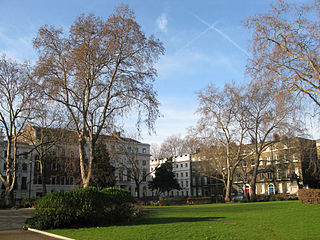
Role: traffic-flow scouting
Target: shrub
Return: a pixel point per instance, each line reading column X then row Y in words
column 173, row 201
column 82, row 207
column 278, row 197
column 199, row 200
column 309, row 196
column 116, row 195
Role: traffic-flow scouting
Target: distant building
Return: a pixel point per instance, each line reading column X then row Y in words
column 62, row 168
column 284, row 167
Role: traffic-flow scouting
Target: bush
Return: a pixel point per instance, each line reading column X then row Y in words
column 82, row 207
column 309, row 196
column 278, row 197
column 173, row 201
column 199, row 200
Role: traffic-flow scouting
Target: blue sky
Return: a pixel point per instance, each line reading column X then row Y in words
column 205, row 43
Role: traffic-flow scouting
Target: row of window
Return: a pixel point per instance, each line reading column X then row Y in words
column 181, row 165
column 24, row 166
column 182, row 174
column 56, row 180
column 137, row 162
column 268, row 160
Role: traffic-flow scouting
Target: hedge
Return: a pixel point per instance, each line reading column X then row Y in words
column 82, row 207
column 309, row 196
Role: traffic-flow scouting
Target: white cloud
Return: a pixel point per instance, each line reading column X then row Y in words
column 162, row 22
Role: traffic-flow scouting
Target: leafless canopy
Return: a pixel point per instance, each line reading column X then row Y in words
column 285, row 46
column 100, row 71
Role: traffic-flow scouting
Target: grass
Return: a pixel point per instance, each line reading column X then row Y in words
column 267, row 220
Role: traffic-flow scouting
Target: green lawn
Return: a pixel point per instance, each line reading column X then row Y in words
column 267, row 220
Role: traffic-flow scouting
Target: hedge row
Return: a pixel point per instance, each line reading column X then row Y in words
column 82, row 207
column 309, row 196
column 199, row 200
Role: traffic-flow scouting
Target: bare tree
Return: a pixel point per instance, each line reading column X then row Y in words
column 222, row 118
column 132, row 161
column 46, row 130
column 269, row 110
column 17, row 94
column 173, row 145
column 285, row 46
column 155, row 151
column 101, row 71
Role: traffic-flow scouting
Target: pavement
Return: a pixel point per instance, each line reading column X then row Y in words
column 11, row 223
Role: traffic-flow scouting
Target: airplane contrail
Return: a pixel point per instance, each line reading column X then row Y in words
column 225, row 36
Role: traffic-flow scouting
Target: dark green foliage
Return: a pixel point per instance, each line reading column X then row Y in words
column 164, row 180
column 102, row 170
column 81, row 207
column 116, row 195
column 309, row 196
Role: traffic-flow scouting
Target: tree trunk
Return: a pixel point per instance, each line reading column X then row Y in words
column 43, row 179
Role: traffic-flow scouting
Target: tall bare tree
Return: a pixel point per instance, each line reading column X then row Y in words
column 286, row 45
column 100, row 71
column 46, row 130
column 269, row 110
column 173, row 145
column 222, row 118
column 17, row 95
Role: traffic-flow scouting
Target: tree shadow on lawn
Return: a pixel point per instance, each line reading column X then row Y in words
column 169, row 220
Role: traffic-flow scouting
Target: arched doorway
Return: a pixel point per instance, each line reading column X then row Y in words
column 271, row 189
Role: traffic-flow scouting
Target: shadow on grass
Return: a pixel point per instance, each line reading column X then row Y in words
column 169, row 220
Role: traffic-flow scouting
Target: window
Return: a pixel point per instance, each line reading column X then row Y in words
column 39, row 179
column 186, row 165
column 295, row 158
column 244, row 163
column 129, row 173
column 263, row 189
column 268, row 160
column 193, row 181
column 23, row 183
column 287, row 173
column 144, row 150
column 129, row 149
column 187, row 174
column 71, row 180
column 53, row 180
column 260, row 162
column 181, row 183
column 54, row 165
column 280, row 188
column 37, row 165
column 261, row 175
column 288, row 187
column 144, row 174
column 177, row 166
column 278, row 174
column 205, row 180
column 181, row 174
column 252, row 162
column 187, row 183
column 144, row 162
column 181, row 165
column 62, row 180
column 269, row 175
column 177, row 175
column 24, row 167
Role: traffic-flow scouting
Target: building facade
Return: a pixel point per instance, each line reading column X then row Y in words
column 284, row 167
column 61, row 166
